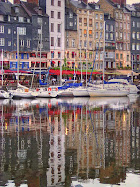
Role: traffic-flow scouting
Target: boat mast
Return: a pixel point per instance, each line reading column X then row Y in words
column 104, row 56
column 17, row 56
column 80, row 50
column 86, row 48
column 132, row 69
column 2, row 67
column 61, row 59
column 40, row 51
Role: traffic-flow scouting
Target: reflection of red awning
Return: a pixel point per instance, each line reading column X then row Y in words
column 53, row 62
column 38, row 62
column 72, row 62
column 59, row 52
column 4, row 61
column 33, row 62
column 68, row 62
column 43, row 62
column 20, row 71
column 52, row 51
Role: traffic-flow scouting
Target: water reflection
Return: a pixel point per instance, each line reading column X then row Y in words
column 69, row 142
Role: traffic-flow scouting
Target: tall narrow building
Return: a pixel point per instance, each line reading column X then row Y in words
column 56, row 11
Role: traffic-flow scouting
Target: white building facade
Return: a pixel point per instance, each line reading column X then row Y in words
column 56, row 11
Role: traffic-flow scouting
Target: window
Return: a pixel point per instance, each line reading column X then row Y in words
column 59, row 28
column 80, row 43
column 52, row 41
column 39, row 31
column 90, row 22
column 22, row 43
column 21, row 30
column 39, row 21
column 96, row 35
column 90, row 33
column 67, row 43
column 85, row 33
column 52, row 2
column 133, row 24
column 120, row 35
column 71, row 24
column 101, row 25
column 85, row 21
column 28, row 20
column 106, row 36
column 28, row 43
column 101, row 16
column 133, row 35
column 120, row 25
column 111, row 27
column 52, row 54
column 97, row 44
column 128, row 46
column 80, row 21
column 121, row 56
column 52, row 27
column 59, row 15
column 59, row 3
column 59, row 42
column 124, row 25
column 9, row 31
column 128, row 36
column 80, row 32
column 59, row 55
column 117, row 56
column 138, row 35
column 96, row 25
column 90, row 44
column 124, row 35
column 85, row 43
column 2, row 42
column 128, row 26
column 133, row 46
column 124, row 46
column 127, row 57
column 9, row 43
column 96, row 16
column 111, row 36
column 117, row 24
column 70, row 15
column 73, row 43
column 116, row 14
column 120, row 15
column 121, row 46
column 20, row 19
column 138, row 46
column 1, row 29
column 52, row 14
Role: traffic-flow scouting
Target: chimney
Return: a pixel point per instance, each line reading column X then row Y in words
column 122, row 3
column 16, row 1
column 33, row 1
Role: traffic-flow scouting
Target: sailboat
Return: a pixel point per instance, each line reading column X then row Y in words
column 4, row 94
column 103, row 91
column 21, row 91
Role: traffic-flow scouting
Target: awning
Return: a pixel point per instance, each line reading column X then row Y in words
column 53, row 62
column 68, row 62
column 126, row 72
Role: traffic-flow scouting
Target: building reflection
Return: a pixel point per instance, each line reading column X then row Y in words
column 54, row 142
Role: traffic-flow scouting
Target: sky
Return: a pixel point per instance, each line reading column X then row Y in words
column 127, row 1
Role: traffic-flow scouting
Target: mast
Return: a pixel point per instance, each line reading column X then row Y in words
column 40, row 51
column 104, row 56
column 86, row 48
column 2, row 67
column 80, row 50
column 17, row 56
column 132, row 69
column 61, row 59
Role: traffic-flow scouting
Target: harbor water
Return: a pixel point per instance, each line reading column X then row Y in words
column 70, row 142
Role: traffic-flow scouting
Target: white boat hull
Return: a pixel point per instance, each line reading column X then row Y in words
column 107, row 93
column 5, row 95
column 80, row 92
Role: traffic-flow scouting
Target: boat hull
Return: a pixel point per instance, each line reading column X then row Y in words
column 106, row 93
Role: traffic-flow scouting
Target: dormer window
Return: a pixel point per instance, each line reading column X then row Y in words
column 16, row 9
column 28, row 20
column 39, row 20
column 96, row 7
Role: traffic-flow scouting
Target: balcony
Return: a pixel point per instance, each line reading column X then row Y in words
column 110, row 47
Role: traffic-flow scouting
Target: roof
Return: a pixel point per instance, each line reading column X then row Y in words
column 130, row 8
column 33, row 9
column 67, row 10
column 80, row 5
column 5, row 8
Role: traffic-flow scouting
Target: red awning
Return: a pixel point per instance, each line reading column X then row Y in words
column 68, row 62
column 72, row 62
column 52, row 51
column 43, row 62
column 33, row 62
column 53, row 62
column 4, row 61
column 38, row 62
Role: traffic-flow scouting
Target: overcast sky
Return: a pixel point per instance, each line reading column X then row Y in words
column 127, row 1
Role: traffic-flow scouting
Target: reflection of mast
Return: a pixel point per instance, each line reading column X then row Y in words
column 87, row 144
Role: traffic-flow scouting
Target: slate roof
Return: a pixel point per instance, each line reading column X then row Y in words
column 80, row 5
column 67, row 10
column 5, row 8
column 32, row 9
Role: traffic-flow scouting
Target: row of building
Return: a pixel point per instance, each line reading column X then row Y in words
column 71, row 32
